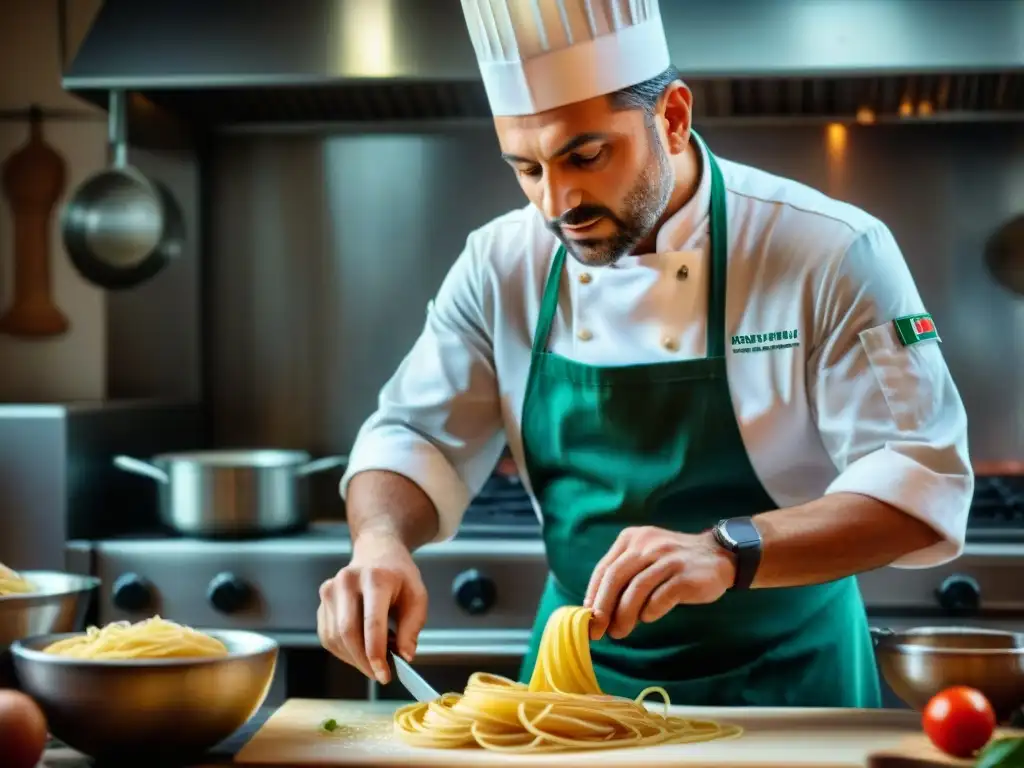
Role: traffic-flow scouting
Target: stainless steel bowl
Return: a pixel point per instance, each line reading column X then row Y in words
column 920, row 662
column 173, row 709
column 58, row 605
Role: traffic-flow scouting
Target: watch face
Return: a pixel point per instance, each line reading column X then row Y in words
column 741, row 532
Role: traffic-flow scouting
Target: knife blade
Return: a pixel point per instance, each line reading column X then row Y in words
column 410, row 679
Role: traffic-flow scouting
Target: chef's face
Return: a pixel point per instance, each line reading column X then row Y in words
column 601, row 176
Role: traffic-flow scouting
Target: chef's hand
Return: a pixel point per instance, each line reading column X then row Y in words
column 352, row 621
column 648, row 571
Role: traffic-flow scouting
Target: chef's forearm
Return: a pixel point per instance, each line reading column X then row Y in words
column 833, row 537
column 386, row 503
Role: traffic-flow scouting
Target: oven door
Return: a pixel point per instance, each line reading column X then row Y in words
column 445, row 657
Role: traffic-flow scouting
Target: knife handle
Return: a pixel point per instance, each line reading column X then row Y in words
column 392, row 636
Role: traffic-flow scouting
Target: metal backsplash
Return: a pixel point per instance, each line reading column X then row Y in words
column 326, row 250
column 153, row 330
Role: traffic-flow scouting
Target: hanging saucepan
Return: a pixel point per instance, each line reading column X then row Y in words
column 121, row 228
column 1004, row 254
column 232, row 493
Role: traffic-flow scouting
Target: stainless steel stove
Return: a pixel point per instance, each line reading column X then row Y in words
column 997, row 511
column 983, row 586
column 477, row 581
column 484, row 586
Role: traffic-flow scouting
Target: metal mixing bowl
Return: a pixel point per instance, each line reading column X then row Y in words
column 58, row 605
column 918, row 663
column 147, row 709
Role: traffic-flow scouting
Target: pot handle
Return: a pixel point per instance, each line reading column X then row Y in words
column 138, row 467
column 320, row 465
column 880, row 633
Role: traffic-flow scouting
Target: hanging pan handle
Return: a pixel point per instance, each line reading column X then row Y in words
column 139, row 467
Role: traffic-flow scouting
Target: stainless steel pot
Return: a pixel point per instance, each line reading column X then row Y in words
column 232, row 492
column 919, row 663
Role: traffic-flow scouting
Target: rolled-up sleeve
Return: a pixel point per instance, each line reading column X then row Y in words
column 889, row 414
column 438, row 418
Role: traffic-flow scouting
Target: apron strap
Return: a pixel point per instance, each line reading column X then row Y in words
column 718, row 234
column 548, row 304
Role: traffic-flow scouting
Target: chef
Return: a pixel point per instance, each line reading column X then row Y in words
column 724, row 391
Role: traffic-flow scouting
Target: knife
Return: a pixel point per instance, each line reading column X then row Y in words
column 410, row 679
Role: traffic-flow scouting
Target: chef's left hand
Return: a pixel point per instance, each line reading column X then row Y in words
column 648, row 571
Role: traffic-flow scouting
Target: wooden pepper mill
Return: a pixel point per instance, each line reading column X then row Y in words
column 33, row 182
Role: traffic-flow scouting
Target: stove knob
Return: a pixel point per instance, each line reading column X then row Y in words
column 960, row 594
column 474, row 593
column 132, row 593
column 228, row 593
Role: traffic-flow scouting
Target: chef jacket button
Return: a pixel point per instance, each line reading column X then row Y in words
column 585, row 277
column 670, row 344
column 683, row 273
column 584, row 335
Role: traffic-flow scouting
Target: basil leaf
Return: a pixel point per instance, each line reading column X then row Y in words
column 1002, row 753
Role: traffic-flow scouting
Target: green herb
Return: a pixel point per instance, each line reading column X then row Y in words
column 329, row 726
column 1002, row 753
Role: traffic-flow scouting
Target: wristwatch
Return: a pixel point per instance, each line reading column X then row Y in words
column 740, row 536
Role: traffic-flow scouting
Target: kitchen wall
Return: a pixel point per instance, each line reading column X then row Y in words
column 139, row 343
column 326, row 249
column 71, row 366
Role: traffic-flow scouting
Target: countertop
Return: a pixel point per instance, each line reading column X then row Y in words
column 59, row 756
column 765, row 726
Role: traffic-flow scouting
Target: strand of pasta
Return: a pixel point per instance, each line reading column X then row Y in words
column 153, row 638
column 562, row 708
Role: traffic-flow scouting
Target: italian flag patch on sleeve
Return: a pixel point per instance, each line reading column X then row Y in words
column 914, row 328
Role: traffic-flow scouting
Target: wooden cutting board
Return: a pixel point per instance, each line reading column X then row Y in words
column 773, row 738
column 916, row 751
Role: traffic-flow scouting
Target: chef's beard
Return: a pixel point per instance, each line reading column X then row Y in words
column 642, row 209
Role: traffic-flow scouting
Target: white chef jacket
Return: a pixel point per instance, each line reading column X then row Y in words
column 826, row 397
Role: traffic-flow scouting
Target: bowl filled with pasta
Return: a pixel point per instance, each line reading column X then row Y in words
column 38, row 603
column 148, row 690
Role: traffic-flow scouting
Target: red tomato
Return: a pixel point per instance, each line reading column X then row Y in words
column 959, row 721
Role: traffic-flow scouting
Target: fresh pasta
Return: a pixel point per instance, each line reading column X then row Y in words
column 562, row 708
column 12, row 583
column 154, row 638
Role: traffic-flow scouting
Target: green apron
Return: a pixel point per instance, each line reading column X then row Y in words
column 658, row 444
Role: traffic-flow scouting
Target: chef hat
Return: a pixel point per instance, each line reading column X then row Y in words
column 536, row 55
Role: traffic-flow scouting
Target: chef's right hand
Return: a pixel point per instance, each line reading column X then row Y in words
column 352, row 621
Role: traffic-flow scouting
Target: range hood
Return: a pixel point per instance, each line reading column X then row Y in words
column 229, row 62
